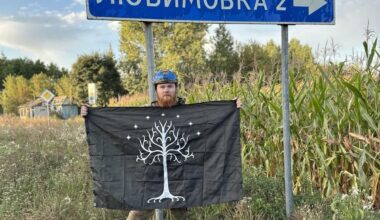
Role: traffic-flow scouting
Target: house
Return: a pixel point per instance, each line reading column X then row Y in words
column 59, row 105
column 64, row 107
column 32, row 109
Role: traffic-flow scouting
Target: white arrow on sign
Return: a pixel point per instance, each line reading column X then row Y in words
column 313, row 5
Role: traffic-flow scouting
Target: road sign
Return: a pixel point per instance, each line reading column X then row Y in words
column 46, row 95
column 92, row 93
column 215, row 11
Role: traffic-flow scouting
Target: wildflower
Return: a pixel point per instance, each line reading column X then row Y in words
column 367, row 207
column 355, row 191
column 67, row 200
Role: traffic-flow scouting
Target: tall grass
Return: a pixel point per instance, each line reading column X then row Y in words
column 44, row 171
column 335, row 127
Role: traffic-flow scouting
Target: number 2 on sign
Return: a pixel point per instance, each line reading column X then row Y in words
column 280, row 6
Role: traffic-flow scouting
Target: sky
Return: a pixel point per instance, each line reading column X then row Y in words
column 58, row 31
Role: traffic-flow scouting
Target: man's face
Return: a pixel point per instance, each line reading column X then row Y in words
column 166, row 94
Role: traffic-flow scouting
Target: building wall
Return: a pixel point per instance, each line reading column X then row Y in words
column 25, row 112
column 40, row 111
column 69, row 111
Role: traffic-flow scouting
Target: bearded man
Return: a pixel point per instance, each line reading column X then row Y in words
column 166, row 87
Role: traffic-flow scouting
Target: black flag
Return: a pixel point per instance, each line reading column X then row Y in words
column 152, row 157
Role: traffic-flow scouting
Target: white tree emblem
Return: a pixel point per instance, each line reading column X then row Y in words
column 164, row 142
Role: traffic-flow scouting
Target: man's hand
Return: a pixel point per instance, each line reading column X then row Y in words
column 84, row 110
column 239, row 104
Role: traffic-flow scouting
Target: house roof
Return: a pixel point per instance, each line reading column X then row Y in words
column 59, row 100
column 33, row 103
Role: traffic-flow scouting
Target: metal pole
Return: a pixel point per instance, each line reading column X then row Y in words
column 48, row 112
column 152, row 94
column 150, row 58
column 286, row 119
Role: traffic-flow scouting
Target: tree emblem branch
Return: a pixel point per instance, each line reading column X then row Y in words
column 164, row 142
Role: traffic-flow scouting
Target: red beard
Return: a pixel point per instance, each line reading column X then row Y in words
column 167, row 101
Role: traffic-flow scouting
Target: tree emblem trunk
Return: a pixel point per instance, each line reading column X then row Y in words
column 164, row 141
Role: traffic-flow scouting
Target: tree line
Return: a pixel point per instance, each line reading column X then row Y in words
column 182, row 47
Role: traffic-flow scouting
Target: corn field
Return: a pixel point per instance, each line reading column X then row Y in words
column 335, row 127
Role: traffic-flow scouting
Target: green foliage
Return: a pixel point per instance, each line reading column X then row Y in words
column 183, row 51
column 133, row 63
column 65, row 87
column 45, row 173
column 16, row 92
column 334, row 127
column 266, row 193
column 27, row 68
column 256, row 59
column 99, row 69
column 353, row 206
column 300, row 57
column 39, row 83
column 177, row 46
column 223, row 59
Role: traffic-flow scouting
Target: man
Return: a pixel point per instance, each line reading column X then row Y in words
column 166, row 87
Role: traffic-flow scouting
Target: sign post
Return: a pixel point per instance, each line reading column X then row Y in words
column 286, row 119
column 47, row 96
column 152, row 95
column 150, row 58
column 92, row 94
column 282, row 12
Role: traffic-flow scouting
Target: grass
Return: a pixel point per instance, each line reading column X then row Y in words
column 44, row 171
column 335, row 138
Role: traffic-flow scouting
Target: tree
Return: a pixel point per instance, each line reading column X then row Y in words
column 40, row 82
column 267, row 59
column 249, row 55
column 183, row 51
column 27, row 68
column 65, row 87
column 54, row 72
column 132, row 46
column 223, row 59
column 272, row 62
column 300, row 57
column 177, row 46
column 16, row 92
column 100, row 69
column 164, row 142
column 256, row 58
column 3, row 61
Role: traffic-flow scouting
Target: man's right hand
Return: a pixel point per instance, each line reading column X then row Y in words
column 84, row 110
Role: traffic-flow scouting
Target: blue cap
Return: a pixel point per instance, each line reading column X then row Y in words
column 164, row 76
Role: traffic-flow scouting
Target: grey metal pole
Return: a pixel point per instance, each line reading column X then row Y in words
column 286, row 119
column 150, row 58
column 48, row 112
column 152, row 95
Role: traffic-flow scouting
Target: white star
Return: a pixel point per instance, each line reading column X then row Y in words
column 190, row 123
column 198, row 133
column 177, row 116
column 136, row 126
column 163, row 114
column 128, row 137
column 147, row 117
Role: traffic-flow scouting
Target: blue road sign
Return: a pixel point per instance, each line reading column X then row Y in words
column 215, row 11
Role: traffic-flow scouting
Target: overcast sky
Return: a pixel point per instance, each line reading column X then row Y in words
column 57, row 30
